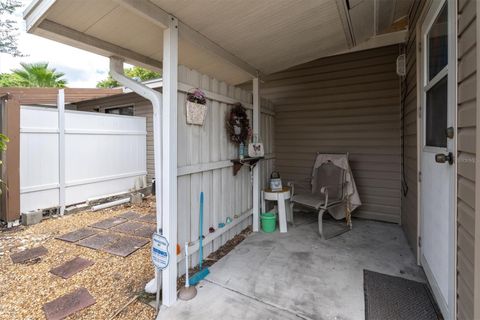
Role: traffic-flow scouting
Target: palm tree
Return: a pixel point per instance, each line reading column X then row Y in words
column 39, row 75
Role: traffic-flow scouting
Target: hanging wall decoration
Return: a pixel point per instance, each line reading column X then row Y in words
column 196, row 107
column 238, row 125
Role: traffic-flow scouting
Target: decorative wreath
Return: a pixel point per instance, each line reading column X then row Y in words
column 238, row 126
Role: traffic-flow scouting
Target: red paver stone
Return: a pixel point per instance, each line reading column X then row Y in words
column 125, row 246
column 149, row 218
column 108, row 223
column 29, row 254
column 145, row 232
column 68, row 304
column 76, row 235
column 72, row 267
column 98, row 241
column 129, row 227
column 130, row 215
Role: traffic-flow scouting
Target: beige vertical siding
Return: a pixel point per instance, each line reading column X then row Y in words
column 467, row 110
column 409, row 93
column 145, row 109
column 346, row 103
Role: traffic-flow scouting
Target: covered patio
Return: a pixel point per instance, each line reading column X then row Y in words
column 295, row 276
column 329, row 76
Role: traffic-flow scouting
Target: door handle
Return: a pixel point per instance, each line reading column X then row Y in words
column 442, row 158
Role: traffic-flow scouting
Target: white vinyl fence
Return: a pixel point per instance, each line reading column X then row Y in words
column 67, row 157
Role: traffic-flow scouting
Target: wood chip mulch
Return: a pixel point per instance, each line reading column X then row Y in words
column 217, row 255
column 112, row 280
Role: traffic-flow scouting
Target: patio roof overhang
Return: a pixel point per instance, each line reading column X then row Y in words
column 231, row 41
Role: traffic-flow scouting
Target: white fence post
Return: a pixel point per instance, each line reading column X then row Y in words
column 169, row 158
column 61, row 149
column 256, row 169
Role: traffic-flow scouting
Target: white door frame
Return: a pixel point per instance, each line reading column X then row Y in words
column 432, row 9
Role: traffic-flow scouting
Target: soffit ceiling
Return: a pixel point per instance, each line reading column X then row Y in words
column 270, row 35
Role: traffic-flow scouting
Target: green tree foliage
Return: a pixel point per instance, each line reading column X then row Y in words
column 10, row 80
column 36, row 75
column 138, row 73
column 9, row 27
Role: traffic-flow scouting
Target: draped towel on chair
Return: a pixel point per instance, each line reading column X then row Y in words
column 341, row 161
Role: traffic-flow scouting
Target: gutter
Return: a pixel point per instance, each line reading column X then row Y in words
column 36, row 12
column 155, row 97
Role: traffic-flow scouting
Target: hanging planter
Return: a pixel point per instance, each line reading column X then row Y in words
column 196, row 105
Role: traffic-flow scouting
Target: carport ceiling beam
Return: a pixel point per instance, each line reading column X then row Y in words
column 93, row 42
column 346, row 22
column 160, row 17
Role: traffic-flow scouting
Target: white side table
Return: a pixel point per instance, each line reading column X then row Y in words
column 280, row 197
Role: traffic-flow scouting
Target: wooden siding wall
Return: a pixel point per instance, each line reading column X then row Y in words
column 346, row 103
column 145, row 109
column 10, row 168
column 48, row 96
column 410, row 114
column 467, row 212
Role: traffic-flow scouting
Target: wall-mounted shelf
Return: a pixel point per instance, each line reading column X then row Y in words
column 238, row 163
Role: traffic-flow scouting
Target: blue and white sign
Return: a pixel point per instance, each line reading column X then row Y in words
column 160, row 256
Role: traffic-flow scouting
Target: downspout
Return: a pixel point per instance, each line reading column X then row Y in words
column 116, row 71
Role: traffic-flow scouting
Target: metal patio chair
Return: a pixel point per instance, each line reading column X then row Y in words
column 328, row 192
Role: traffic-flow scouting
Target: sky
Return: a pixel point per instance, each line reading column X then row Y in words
column 82, row 69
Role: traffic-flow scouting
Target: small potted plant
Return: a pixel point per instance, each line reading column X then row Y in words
column 196, row 107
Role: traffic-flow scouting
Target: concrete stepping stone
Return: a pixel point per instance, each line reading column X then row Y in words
column 129, row 227
column 68, row 304
column 130, row 215
column 72, row 267
column 108, row 223
column 28, row 254
column 145, row 232
column 98, row 241
column 76, row 235
column 125, row 246
column 149, row 218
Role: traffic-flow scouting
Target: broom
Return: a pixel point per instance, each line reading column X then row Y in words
column 200, row 275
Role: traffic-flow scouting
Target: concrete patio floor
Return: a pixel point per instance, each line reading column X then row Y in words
column 298, row 276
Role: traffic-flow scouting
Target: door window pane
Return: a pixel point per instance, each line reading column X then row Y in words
column 438, row 44
column 436, row 115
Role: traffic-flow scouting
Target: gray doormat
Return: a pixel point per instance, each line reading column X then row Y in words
column 394, row 298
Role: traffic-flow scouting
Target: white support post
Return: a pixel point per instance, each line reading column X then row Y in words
column 116, row 71
column 61, row 149
column 169, row 157
column 157, row 159
column 256, row 169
